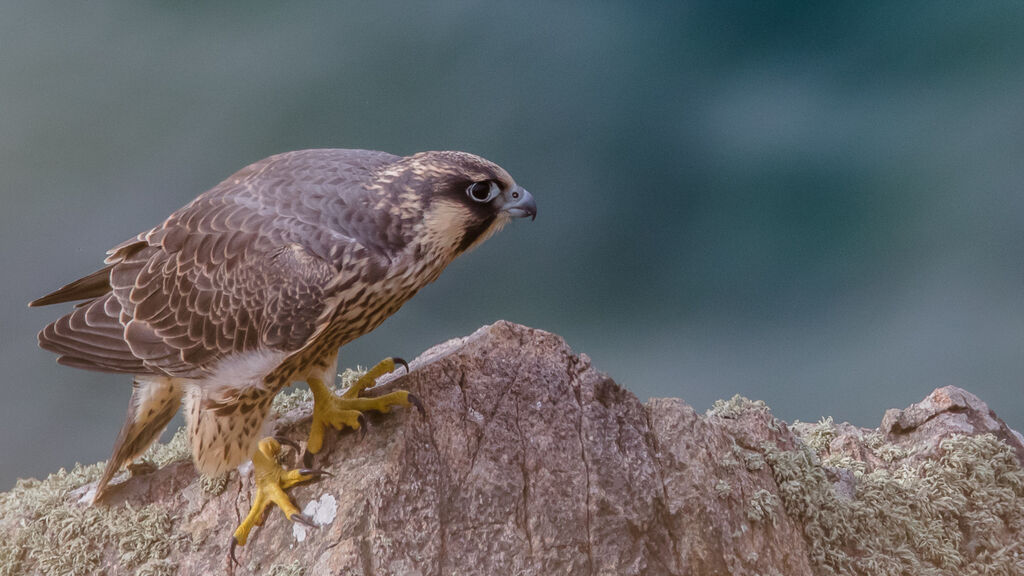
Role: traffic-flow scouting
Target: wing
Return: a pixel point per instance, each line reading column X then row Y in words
column 245, row 266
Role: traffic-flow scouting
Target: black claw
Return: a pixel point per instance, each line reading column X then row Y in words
column 415, row 401
column 287, row 442
column 316, row 473
column 303, row 519
column 363, row 425
column 307, row 459
column 398, row 360
column 231, row 552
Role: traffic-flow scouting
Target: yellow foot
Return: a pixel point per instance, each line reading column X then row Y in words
column 345, row 411
column 271, row 482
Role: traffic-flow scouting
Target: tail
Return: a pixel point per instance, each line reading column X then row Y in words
column 98, row 283
column 155, row 400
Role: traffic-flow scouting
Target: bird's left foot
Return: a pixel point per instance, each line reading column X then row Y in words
column 345, row 410
column 271, row 482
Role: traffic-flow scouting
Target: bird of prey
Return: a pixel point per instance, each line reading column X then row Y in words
column 258, row 282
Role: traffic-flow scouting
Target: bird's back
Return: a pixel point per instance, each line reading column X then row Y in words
column 208, row 281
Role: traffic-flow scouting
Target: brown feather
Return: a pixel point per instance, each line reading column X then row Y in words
column 92, row 337
column 92, row 286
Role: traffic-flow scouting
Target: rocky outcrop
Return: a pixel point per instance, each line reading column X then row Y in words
column 528, row 461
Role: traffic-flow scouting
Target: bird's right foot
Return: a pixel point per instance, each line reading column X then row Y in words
column 271, row 482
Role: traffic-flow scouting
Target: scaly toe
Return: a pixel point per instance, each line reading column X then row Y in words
column 271, row 482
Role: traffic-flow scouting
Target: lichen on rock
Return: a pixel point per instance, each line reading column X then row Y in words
column 49, row 531
column 910, row 519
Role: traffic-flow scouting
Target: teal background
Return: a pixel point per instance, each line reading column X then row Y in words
column 815, row 204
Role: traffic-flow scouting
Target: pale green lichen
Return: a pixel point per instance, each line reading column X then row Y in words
column 762, row 506
column 886, row 451
column 961, row 513
column 845, row 462
column 164, row 567
column 214, row 485
column 293, row 569
column 752, row 460
column 50, row 532
column 736, row 406
column 174, row 450
column 729, row 462
column 289, row 400
column 818, row 436
column 723, row 489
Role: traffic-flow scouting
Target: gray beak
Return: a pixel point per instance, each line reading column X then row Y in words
column 520, row 204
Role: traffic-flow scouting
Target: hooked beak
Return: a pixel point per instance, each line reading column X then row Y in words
column 520, row 204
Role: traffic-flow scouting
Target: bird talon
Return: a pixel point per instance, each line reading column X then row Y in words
column 287, row 442
column 415, row 401
column 315, row 473
column 302, row 519
column 398, row 360
column 363, row 425
column 271, row 483
column 231, row 551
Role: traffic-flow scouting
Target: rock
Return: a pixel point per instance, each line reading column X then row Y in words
column 529, row 461
column 948, row 410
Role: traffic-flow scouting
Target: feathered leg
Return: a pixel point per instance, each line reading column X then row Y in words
column 330, row 410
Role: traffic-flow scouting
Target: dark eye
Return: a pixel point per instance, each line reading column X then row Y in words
column 482, row 191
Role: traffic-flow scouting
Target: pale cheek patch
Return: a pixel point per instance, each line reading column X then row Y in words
column 444, row 224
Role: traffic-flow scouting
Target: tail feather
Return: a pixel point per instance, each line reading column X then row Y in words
column 154, row 402
column 92, row 286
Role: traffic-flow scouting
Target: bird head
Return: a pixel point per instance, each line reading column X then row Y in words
column 466, row 199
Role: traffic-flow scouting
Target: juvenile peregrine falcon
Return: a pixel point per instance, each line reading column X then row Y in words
column 257, row 282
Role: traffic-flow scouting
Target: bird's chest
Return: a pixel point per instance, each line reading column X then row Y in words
column 364, row 305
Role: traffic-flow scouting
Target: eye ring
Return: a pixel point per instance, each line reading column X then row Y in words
column 483, row 191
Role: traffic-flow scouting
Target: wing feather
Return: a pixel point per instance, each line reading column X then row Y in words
column 244, row 266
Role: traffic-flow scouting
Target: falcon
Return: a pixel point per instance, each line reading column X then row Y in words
column 257, row 283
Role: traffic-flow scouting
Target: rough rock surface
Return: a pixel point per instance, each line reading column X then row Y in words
column 528, row 461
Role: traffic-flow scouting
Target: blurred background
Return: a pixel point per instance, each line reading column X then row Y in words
column 815, row 204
